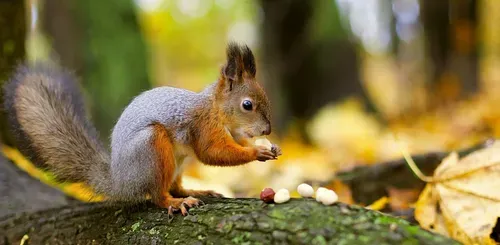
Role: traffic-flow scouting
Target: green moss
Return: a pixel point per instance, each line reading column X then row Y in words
column 249, row 222
column 153, row 231
column 278, row 213
column 242, row 238
column 319, row 240
column 135, row 226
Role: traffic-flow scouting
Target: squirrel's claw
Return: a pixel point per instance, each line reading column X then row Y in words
column 276, row 150
column 170, row 214
column 184, row 209
column 265, row 154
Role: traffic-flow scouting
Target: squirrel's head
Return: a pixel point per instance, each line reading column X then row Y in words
column 243, row 100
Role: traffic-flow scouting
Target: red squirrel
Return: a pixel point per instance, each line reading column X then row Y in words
column 152, row 137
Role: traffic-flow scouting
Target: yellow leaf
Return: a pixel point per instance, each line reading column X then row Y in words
column 76, row 190
column 379, row 204
column 462, row 199
column 24, row 239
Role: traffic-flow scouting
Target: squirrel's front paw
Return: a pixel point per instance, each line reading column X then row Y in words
column 276, row 150
column 264, row 154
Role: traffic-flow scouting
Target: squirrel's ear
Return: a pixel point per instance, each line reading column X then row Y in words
column 248, row 61
column 233, row 68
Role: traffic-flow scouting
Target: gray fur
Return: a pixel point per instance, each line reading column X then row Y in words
column 132, row 159
column 166, row 105
column 46, row 111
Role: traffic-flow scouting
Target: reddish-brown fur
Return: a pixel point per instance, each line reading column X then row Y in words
column 165, row 165
column 168, row 192
column 214, row 146
column 224, row 151
column 164, row 150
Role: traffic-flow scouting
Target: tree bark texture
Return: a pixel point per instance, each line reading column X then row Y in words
column 220, row 221
column 19, row 192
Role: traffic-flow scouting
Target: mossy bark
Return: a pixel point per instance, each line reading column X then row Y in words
column 222, row 221
column 12, row 48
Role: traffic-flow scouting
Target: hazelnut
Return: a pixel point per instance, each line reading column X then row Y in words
column 267, row 195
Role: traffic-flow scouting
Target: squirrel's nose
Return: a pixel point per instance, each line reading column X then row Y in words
column 267, row 130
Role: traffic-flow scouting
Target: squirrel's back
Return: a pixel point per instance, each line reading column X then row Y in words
column 46, row 112
column 172, row 107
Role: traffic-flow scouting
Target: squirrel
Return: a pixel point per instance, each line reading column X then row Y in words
column 155, row 134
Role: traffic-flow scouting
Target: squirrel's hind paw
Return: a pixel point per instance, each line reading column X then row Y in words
column 180, row 204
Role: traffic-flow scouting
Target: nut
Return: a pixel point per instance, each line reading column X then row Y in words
column 305, row 190
column 282, row 196
column 267, row 195
column 263, row 142
column 326, row 197
column 319, row 191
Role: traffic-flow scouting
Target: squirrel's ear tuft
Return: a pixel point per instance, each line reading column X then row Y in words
column 248, row 61
column 240, row 60
column 233, row 68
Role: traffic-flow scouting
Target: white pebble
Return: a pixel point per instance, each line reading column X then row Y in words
column 328, row 197
column 281, row 196
column 305, row 190
column 263, row 142
column 319, row 191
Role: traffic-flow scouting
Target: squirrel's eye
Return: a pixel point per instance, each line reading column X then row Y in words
column 247, row 105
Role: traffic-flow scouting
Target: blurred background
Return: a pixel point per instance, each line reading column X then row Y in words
column 343, row 76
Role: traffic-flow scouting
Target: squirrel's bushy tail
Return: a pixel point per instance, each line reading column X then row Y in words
column 46, row 112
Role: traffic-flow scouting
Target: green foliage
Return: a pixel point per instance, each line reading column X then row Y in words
column 188, row 42
column 115, row 58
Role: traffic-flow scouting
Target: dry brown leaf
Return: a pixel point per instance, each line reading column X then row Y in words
column 462, row 199
column 400, row 199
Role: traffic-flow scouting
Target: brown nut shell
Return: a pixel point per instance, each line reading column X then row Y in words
column 267, row 195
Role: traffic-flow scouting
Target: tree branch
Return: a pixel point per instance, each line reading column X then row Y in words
column 221, row 221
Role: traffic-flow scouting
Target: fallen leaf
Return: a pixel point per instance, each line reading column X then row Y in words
column 380, row 204
column 24, row 239
column 79, row 191
column 462, row 199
